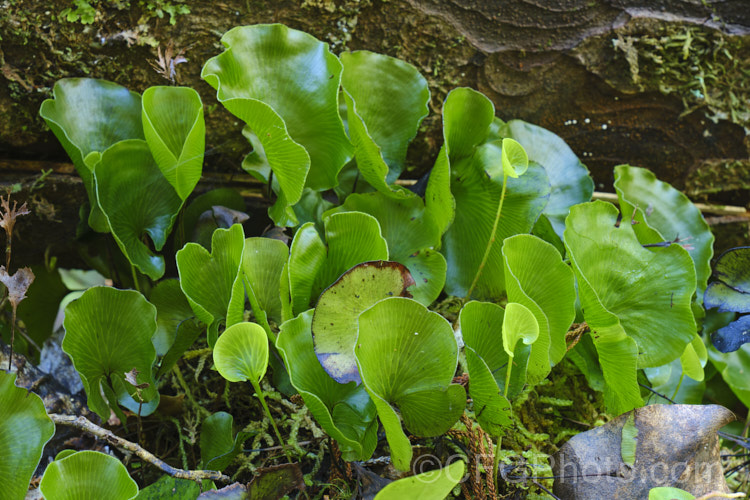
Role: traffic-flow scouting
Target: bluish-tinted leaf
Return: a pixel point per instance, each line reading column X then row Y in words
column 733, row 336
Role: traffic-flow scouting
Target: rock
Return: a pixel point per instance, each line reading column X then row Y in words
column 677, row 446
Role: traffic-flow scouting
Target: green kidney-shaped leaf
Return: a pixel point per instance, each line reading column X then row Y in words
column 481, row 329
column 412, row 237
column 514, row 158
column 550, row 295
column 665, row 214
column 219, row 445
column 518, row 324
column 212, row 282
column 464, row 192
column 136, row 200
column 87, row 475
column 407, row 356
column 108, row 333
column 466, row 240
column 636, row 301
column 386, row 100
column 351, row 238
column 569, row 179
column 344, row 411
column 467, row 117
column 262, row 264
column 24, row 430
column 432, row 485
column 648, row 290
column 334, row 324
column 88, row 116
column 176, row 134
column 241, row 353
column 284, row 84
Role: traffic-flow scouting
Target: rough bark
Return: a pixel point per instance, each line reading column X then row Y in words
column 619, row 80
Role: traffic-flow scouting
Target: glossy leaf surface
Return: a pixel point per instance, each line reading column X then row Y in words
column 344, row 411
column 519, row 325
column 467, row 116
column 514, row 158
column 87, row 475
column 350, row 239
column 284, row 84
column 263, row 260
column 334, row 324
column 412, row 237
column 432, row 485
column 219, row 444
column 665, row 214
column 407, row 356
column 212, row 282
column 176, row 134
column 569, row 179
column 627, row 293
column 88, row 116
column 731, row 289
column 386, row 100
column 108, row 333
column 481, row 328
column 241, row 353
column 24, row 430
column 468, row 175
column 549, row 295
column 136, row 201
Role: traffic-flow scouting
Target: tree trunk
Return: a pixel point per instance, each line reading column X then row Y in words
column 654, row 83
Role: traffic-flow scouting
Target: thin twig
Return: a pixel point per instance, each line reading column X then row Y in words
column 85, row 425
column 657, row 393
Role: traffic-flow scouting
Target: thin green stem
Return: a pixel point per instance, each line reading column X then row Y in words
column 496, row 467
column 491, row 241
column 507, row 376
column 682, row 376
column 135, row 278
column 262, row 399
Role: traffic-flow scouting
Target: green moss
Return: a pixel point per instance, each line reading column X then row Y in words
column 706, row 69
column 717, row 177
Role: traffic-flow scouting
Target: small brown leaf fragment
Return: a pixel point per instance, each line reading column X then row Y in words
column 17, row 284
column 131, row 378
column 8, row 215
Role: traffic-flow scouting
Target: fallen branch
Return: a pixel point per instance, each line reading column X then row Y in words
column 85, row 425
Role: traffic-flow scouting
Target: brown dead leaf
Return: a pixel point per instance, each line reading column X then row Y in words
column 166, row 63
column 8, row 215
column 17, row 284
column 130, row 378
